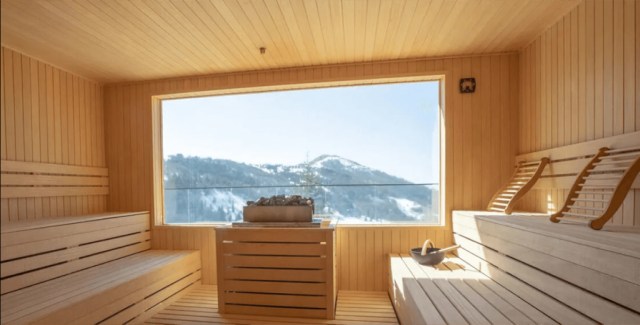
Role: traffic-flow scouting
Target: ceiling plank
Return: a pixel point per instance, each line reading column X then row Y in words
column 129, row 40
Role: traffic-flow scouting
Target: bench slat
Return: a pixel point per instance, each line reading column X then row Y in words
column 46, row 249
column 442, row 280
column 53, row 229
column 52, row 180
column 51, row 191
column 88, row 269
column 447, row 310
column 507, row 309
column 575, row 297
column 549, row 306
column 413, row 305
column 80, row 293
column 33, row 298
column 73, row 253
column 104, row 301
column 18, row 282
column 47, row 245
column 549, row 254
column 44, row 168
column 148, row 298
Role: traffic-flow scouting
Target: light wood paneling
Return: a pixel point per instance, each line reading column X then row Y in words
column 199, row 306
column 361, row 252
column 49, row 116
column 599, row 263
column 580, row 81
column 189, row 238
column 38, row 251
column 87, row 269
column 474, row 127
column 250, row 259
column 114, row 41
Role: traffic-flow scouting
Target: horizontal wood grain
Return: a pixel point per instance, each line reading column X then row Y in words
column 80, row 296
column 274, row 249
column 543, row 284
column 31, row 255
column 295, row 271
column 45, row 192
column 360, row 251
column 199, row 306
column 276, row 287
column 474, row 134
column 52, row 180
column 294, row 301
column 88, row 269
column 261, row 235
column 602, row 269
column 285, row 262
column 588, row 304
column 48, row 168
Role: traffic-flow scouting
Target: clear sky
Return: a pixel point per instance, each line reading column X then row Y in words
column 390, row 127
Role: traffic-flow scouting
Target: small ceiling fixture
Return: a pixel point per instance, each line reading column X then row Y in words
column 263, row 50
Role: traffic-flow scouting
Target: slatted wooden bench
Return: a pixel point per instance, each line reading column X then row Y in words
column 522, row 269
column 88, row 270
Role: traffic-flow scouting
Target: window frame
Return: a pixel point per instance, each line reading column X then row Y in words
column 158, row 157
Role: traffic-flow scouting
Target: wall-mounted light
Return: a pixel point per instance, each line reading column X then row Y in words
column 467, row 85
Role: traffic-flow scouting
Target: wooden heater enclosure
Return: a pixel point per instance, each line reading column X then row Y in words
column 279, row 272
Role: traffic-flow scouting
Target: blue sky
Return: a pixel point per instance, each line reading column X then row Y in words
column 390, row 127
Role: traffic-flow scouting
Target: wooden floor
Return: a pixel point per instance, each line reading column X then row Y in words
column 200, row 306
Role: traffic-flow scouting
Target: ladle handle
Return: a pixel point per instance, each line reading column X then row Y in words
column 424, row 247
column 444, row 250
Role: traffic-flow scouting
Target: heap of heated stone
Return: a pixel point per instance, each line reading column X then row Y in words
column 282, row 200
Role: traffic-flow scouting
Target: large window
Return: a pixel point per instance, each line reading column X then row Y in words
column 366, row 154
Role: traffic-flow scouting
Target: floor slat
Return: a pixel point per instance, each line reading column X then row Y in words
column 200, row 306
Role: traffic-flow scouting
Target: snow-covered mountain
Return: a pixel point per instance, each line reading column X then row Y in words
column 344, row 189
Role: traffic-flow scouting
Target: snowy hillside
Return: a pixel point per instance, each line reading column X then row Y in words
column 207, row 190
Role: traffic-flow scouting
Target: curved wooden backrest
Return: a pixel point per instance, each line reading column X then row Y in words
column 599, row 190
column 524, row 177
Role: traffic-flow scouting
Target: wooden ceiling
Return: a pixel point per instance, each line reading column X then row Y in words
column 124, row 40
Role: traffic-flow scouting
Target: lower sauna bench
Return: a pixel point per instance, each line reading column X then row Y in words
column 88, row 270
column 522, row 269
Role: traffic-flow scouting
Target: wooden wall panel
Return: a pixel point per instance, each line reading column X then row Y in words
column 480, row 131
column 469, row 184
column 580, row 81
column 49, row 115
column 193, row 238
column 360, row 251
